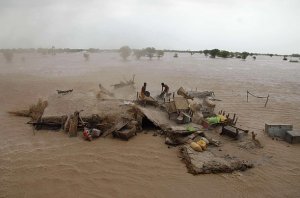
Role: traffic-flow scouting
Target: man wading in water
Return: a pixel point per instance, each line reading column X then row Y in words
column 164, row 90
column 143, row 91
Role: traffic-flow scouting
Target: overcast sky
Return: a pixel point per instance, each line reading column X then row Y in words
column 269, row 26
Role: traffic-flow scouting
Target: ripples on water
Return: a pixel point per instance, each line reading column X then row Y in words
column 73, row 64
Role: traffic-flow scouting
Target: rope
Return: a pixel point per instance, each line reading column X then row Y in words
column 257, row 96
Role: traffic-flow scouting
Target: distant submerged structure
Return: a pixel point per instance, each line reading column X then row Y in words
column 175, row 55
column 53, row 51
column 284, row 58
column 86, row 56
column 294, row 61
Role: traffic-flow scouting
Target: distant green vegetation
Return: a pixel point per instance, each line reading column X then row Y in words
column 225, row 54
column 160, row 53
column 8, row 55
column 148, row 52
column 296, row 55
column 125, row 51
column 139, row 53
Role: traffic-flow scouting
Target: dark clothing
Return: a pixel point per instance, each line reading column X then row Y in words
column 166, row 90
column 143, row 89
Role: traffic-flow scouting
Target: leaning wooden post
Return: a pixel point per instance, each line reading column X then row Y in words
column 74, row 124
column 267, row 101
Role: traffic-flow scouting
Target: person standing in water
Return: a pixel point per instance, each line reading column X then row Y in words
column 164, row 90
column 143, row 91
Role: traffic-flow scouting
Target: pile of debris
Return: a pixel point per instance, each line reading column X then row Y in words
column 182, row 119
column 126, row 83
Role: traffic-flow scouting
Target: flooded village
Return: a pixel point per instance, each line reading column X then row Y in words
column 149, row 98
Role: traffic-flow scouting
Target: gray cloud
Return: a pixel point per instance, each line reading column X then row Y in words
column 257, row 25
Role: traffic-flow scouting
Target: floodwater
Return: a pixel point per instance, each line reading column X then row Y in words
column 50, row 164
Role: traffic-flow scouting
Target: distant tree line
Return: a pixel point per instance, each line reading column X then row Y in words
column 226, row 54
column 126, row 51
column 296, row 55
column 57, row 50
column 149, row 52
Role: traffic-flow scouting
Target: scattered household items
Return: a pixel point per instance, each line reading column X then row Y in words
column 267, row 97
column 221, row 119
column 179, row 108
column 208, row 107
column 180, row 119
column 230, row 131
column 196, row 147
column 292, row 137
column 183, row 118
column 126, row 83
column 199, row 146
column 89, row 134
column 181, row 135
column 183, row 93
column 278, row 130
column 63, row 92
column 208, row 102
column 207, row 162
column 201, row 95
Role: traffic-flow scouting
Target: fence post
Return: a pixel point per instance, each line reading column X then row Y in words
column 267, row 101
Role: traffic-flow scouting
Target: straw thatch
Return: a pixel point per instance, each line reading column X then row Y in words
column 35, row 111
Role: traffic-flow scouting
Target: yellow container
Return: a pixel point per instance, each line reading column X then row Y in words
column 202, row 144
column 222, row 118
column 196, row 146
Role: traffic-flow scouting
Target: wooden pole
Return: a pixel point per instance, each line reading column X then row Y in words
column 267, row 101
column 236, row 120
column 247, row 95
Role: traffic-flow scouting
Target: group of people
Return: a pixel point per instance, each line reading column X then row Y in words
column 164, row 91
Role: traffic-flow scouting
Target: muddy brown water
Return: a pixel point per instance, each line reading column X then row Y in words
column 49, row 164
